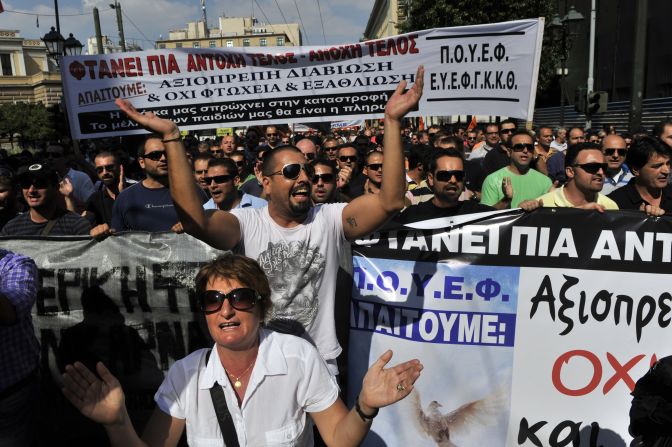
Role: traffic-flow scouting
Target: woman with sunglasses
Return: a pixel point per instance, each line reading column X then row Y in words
column 255, row 387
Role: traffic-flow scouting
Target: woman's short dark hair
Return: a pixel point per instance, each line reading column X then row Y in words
column 642, row 149
column 242, row 269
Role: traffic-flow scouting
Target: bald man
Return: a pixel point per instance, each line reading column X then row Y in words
column 618, row 174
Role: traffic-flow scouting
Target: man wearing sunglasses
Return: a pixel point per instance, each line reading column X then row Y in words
column 307, row 148
column 323, row 183
column 373, row 170
column 147, row 205
column 297, row 245
column 272, row 137
column 350, row 179
column 223, row 179
column 46, row 213
column 446, row 178
column 648, row 190
column 618, row 173
column 111, row 183
column 507, row 187
column 330, row 148
column 585, row 168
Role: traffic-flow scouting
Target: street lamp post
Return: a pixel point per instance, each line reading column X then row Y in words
column 57, row 47
column 563, row 30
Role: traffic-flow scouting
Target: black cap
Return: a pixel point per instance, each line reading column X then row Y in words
column 39, row 171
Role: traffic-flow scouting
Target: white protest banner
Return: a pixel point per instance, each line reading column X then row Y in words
column 533, row 328
column 483, row 69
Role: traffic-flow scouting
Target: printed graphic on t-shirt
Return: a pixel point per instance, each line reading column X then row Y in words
column 294, row 271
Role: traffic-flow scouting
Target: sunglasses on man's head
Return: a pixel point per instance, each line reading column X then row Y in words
column 218, row 179
column 291, row 171
column 108, row 168
column 520, row 147
column 611, row 151
column 326, row 178
column 592, row 168
column 348, row 158
column 244, row 298
column 155, row 155
column 445, row 176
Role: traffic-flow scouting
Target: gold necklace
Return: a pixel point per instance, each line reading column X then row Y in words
column 237, row 383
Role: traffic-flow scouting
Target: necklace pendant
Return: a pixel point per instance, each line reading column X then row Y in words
column 237, row 383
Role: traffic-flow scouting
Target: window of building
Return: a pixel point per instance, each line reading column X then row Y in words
column 6, row 63
column 196, row 45
column 280, row 41
column 213, row 44
column 178, row 45
column 229, row 43
column 162, row 46
column 246, row 42
column 262, row 42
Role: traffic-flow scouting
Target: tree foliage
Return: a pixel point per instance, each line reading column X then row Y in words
column 31, row 122
column 426, row 14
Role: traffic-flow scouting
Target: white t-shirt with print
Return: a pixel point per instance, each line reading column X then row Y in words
column 302, row 265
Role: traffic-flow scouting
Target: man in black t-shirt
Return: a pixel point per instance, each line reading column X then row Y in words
column 46, row 213
column 446, row 178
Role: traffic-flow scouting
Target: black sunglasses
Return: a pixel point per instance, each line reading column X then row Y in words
column 291, row 171
column 309, row 156
column 445, row 176
column 38, row 183
column 331, row 149
column 348, row 158
column 593, row 168
column 326, row 178
column 271, row 134
column 611, row 151
column 506, row 131
column 218, row 179
column 375, row 166
column 240, row 163
column 155, row 155
column 216, row 151
column 520, row 147
column 244, row 298
column 108, row 168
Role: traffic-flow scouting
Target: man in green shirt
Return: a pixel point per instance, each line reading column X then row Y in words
column 517, row 182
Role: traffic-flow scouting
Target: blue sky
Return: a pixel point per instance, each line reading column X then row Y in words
column 344, row 20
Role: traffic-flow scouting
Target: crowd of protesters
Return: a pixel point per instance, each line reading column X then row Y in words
column 99, row 189
column 309, row 193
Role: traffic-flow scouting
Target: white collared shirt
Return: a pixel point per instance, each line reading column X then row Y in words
column 288, row 380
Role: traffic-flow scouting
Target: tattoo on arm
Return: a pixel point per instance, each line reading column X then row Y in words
column 351, row 221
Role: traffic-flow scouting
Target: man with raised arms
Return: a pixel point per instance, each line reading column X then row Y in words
column 297, row 244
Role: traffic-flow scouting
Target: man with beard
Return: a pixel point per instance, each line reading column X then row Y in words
column 100, row 203
column 297, row 245
column 446, row 178
column 46, row 214
column 223, row 179
column 147, row 205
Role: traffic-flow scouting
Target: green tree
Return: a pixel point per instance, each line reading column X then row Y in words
column 31, row 122
column 426, row 14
